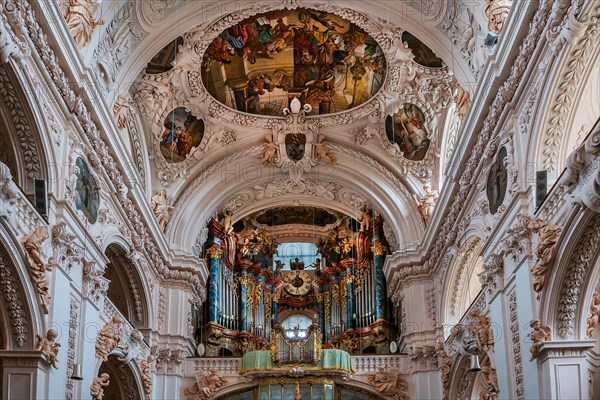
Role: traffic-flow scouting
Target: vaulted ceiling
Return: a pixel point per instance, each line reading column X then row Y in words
column 191, row 83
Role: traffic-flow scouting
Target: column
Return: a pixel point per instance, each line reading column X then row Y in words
column 214, row 254
column 379, row 251
column 244, row 302
column 350, row 298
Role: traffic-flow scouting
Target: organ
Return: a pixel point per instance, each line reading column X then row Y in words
column 341, row 296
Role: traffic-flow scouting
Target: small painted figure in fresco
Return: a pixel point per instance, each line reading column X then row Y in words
column 296, row 264
column 282, row 30
column 220, row 50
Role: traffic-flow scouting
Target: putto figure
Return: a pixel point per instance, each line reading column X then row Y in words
column 98, row 385
column 48, row 347
column 108, row 338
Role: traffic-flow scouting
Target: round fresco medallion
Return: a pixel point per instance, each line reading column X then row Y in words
column 406, row 128
column 182, row 133
column 87, row 196
column 260, row 64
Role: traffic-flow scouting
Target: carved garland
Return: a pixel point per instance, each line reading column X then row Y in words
column 73, row 325
column 24, row 132
column 13, row 302
column 567, row 87
column 138, row 152
column 579, row 264
column 516, row 341
column 21, row 16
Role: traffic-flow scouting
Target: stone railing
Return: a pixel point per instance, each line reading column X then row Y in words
column 16, row 209
column 223, row 366
column 365, row 364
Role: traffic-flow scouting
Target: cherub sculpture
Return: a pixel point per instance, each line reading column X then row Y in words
column 269, row 154
column 48, row 347
column 98, row 385
column 108, row 338
column 539, row 335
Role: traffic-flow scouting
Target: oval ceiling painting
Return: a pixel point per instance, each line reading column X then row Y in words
column 260, row 64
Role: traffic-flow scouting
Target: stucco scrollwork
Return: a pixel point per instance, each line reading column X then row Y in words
column 205, row 386
column 147, row 367
column 579, row 263
column 389, row 383
column 24, row 130
column 548, row 234
column 497, row 14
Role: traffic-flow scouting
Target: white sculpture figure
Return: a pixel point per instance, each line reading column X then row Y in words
column 323, row 152
column 8, row 193
column 270, row 152
column 38, row 268
column 539, row 335
column 427, row 202
column 205, row 386
column 162, row 209
column 81, row 21
column 365, row 219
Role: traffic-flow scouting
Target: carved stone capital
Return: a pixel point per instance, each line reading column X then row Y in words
column 492, row 277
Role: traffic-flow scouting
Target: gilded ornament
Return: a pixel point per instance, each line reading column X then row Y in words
column 378, row 249
column 215, row 251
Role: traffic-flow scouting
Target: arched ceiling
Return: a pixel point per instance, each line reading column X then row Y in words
column 230, row 159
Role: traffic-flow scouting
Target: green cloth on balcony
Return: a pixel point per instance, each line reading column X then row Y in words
column 331, row 359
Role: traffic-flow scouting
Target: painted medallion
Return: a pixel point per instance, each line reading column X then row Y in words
column 182, row 133
column 406, row 128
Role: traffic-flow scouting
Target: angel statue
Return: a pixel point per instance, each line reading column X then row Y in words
column 162, row 209
column 539, row 335
column 269, row 154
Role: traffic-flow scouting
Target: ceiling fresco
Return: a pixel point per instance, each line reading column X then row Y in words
column 423, row 54
column 296, row 215
column 262, row 63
